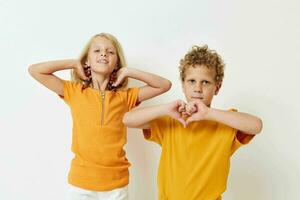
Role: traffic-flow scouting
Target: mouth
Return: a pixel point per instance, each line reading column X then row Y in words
column 197, row 98
column 103, row 61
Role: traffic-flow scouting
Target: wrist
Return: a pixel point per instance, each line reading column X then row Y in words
column 209, row 113
column 129, row 72
column 74, row 63
column 165, row 109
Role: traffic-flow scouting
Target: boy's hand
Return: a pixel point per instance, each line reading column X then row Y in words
column 190, row 108
column 176, row 109
column 200, row 111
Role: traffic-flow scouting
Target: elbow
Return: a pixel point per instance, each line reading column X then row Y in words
column 126, row 120
column 258, row 126
column 31, row 70
column 166, row 86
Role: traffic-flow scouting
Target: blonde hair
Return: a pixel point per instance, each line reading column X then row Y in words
column 83, row 58
column 202, row 55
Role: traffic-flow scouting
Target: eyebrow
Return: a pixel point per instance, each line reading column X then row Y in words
column 109, row 47
column 202, row 79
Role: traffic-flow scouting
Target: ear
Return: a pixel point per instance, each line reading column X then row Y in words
column 218, row 87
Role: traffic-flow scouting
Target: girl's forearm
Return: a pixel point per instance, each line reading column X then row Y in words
column 53, row 66
column 152, row 80
column 241, row 121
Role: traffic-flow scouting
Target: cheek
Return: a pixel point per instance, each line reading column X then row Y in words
column 114, row 62
column 91, row 58
column 187, row 90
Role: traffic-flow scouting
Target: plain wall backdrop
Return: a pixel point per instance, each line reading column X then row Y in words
column 258, row 40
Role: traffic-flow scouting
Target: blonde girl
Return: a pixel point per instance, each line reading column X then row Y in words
column 98, row 97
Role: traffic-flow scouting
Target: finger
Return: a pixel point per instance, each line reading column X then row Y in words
column 182, row 121
column 181, row 109
column 193, row 109
column 184, row 113
column 85, row 65
column 82, row 75
column 188, row 109
column 117, row 82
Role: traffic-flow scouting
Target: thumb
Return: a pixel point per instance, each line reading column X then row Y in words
column 118, row 80
column 82, row 74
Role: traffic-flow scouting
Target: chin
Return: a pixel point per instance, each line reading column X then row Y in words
column 102, row 70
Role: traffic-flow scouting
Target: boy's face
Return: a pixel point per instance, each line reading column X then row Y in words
column 199, row 84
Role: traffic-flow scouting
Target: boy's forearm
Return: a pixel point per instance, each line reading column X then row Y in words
column 241, row 121
column 140, row 116
column 53, row 66
column 149, row 78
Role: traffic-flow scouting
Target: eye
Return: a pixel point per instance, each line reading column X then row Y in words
column 205, row 82
column 191, row 81
column 111, row 52
column 96, row 50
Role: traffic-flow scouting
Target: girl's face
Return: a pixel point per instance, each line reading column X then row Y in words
column 199, row 84
column 102, row 56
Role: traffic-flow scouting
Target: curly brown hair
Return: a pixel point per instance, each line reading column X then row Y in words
column 202, row 55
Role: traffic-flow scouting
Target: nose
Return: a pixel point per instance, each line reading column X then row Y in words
column 198, row 88
column 103, row 54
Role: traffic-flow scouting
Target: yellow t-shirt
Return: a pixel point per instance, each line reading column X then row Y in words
column 195, row 161
column 100, row 163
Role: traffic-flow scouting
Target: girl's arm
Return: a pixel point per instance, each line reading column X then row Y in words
column 156, row 85
column 141, row 117
column 243, row 122
column 43, row 73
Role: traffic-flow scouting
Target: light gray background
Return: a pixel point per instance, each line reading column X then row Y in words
column 259, row 41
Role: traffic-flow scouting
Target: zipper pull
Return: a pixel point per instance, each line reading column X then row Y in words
column 102, row 95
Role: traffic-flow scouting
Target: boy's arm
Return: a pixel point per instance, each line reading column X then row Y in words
column 156, row 85
column 141, row 117
column 243, row 122
column 43, row 73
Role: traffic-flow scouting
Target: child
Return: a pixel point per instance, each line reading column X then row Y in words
column 197, row 141
column 98, row 99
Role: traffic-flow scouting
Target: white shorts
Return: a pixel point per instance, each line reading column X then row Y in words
column 76, row 193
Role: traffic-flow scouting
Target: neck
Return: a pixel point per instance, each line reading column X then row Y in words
column 100, row 81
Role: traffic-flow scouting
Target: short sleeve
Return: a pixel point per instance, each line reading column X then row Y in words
column 240, row 138
column 158, row 129
column 132, row 97
column 69, row 90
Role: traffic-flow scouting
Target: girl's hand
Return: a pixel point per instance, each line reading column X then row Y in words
column 84, row 72
column 122, row 73
column 199, row 113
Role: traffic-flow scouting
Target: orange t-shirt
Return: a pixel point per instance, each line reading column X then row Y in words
column 195, row 160
column 100, row 163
